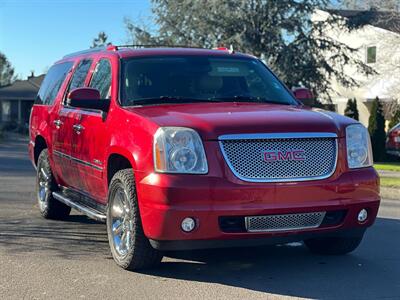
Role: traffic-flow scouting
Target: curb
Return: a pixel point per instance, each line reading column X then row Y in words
column 390, row 193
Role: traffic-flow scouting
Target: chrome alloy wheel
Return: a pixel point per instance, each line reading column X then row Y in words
column 121, row 222
column 43, row 182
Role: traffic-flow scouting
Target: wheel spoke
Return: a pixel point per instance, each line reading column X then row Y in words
column 46, row 177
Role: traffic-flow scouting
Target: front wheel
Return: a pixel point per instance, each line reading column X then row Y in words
column 129, row 246
column 333, row 245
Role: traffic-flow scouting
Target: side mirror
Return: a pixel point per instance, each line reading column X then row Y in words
column 304, row 95
column 87, row 98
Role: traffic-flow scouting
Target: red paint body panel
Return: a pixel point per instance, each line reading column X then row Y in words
column 165, row 199
column 393, row 141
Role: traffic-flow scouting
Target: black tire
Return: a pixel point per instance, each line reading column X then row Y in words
column 49, row 207
column 333, row 245
column 139, row 254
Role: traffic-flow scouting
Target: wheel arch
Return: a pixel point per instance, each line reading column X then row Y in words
column 40, row 145
column 118, row 159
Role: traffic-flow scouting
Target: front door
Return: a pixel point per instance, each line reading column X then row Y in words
column 91, row 137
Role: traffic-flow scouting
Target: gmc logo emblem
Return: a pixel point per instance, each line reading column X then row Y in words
column 289, row 155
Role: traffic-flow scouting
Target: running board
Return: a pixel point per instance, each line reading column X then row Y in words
column 90, row 212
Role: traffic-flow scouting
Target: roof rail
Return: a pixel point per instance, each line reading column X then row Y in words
column 157, row 46
column 115, row 48
column 92, row 50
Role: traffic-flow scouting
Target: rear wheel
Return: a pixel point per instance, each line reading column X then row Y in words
column 333, row 245
column 129, row 246
column 49, row 207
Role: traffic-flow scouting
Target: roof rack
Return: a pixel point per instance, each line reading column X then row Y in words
column 112, row 47
column 156, row 46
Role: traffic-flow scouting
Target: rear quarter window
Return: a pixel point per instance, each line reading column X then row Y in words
column 52, row 83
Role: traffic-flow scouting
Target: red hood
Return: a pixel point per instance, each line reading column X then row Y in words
column 215, row 119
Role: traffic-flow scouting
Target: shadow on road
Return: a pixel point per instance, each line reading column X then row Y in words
column 372, row 270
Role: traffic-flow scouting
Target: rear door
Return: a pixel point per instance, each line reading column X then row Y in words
column 68, row 117
column 50, row 95
column 92, row 138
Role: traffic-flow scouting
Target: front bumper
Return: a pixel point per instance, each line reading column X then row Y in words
column 165, row 200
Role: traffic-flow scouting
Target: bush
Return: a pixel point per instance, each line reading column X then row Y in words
column 351, row 110
column 376, row 129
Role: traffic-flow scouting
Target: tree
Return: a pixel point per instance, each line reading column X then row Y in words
column 281, row 32
column 376, row 130
column 6, row 70
column 351, row 109
column 395, row 118
column 100, row 40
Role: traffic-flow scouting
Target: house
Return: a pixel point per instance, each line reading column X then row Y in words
column 16, row 100
column 377, row 44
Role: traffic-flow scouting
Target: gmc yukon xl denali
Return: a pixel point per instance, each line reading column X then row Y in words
column 179, row 149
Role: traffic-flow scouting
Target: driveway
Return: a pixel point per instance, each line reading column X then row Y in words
column 71, row 259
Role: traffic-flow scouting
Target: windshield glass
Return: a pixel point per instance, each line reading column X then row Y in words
column 167, row 79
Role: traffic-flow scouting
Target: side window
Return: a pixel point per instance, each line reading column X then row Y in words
column 371, row 55
column 78, row 79
column 52, row 83
column 101, row 78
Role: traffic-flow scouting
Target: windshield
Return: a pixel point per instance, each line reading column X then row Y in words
column 167, row 79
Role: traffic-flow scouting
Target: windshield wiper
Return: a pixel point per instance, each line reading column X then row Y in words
column 246, row 98
column 170, row 99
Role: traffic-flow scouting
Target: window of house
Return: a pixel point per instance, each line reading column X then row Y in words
column 5, row 111
column 52, row 83
column 101, row 78
column 371, row 55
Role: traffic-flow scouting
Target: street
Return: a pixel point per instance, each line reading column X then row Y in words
column 70, row 259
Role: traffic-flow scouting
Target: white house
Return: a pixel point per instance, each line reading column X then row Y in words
column 378, row 46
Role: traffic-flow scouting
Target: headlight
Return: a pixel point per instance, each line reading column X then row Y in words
column 358, row 144
column 179, row 150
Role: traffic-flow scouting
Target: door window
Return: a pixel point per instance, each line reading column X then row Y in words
column 52, row 83
column 78, row 79
column 101, row 78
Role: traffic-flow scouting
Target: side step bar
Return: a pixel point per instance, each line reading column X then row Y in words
column 90, row 212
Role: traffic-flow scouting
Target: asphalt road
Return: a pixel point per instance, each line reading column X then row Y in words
column 71, row 259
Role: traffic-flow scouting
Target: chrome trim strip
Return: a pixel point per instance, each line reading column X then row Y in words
column 277, row 136
column 269, row 136
column 77, row 160
column 87, row 211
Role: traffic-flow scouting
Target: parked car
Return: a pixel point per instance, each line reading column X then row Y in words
column 179, row 149
column 393, row 141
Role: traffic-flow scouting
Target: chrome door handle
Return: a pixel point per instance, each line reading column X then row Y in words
column 58, row 123
column 78, row 128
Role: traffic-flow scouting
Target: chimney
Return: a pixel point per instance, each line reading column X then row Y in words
column 32, row 75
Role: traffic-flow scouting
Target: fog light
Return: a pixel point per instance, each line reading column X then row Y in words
column 188, row 224
column 362, row 215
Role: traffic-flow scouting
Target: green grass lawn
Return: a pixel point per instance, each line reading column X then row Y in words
column 394, row 166
column 390, row 182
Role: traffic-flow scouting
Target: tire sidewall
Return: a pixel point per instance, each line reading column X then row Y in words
column 122, row 261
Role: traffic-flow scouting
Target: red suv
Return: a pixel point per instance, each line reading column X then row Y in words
column 181, row 149
column 393, row 141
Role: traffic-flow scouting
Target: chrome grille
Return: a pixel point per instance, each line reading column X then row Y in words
column 245, row 158
column 274, row 223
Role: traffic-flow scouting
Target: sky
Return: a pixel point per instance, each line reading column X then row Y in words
column 36, row 33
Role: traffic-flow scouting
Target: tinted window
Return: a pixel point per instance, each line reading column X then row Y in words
column 78, row 79
column 371, row 55
column 52, row 83
column 199, row 78
column 101, row 78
